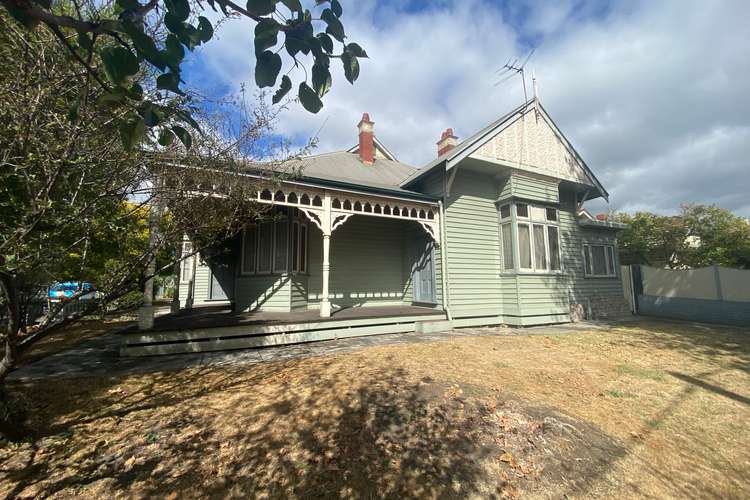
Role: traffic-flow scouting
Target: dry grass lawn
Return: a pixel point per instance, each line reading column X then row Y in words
column 648, row 409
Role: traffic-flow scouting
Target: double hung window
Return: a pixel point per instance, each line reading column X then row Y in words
column 537, row 238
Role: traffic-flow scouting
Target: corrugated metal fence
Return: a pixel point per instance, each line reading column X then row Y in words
column 712, row 294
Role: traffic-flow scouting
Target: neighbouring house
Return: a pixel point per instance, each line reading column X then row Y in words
column 491, row 231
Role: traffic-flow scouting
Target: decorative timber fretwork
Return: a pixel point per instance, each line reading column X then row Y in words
column 343, row 205
column 339, row 220
column 313, row 216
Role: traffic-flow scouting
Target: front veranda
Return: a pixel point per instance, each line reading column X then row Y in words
column 279, row 267
column 379, row 270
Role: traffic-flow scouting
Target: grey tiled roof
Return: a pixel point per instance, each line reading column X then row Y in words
column 346, row 167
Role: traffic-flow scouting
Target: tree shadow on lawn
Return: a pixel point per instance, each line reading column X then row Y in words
column 314, row 428
column 306, row 437
column 729, row 346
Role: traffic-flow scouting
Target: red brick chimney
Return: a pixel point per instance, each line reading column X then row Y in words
column 366, row 140
column 447, row 141
column 602, row 217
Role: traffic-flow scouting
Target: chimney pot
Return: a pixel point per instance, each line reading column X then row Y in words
column 447, row 141
column 366, row 140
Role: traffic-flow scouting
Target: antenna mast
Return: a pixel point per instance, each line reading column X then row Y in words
column 512, row 68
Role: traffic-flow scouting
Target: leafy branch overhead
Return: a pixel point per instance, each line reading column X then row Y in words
column 115, row 45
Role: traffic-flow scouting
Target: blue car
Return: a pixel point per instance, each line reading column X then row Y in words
column 66, row 290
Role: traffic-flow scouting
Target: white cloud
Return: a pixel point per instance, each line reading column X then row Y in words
column 651, row 94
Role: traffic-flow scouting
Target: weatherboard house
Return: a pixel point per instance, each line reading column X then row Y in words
column 487, row 233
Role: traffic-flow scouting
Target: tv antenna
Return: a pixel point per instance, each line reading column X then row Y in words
column 512, row 68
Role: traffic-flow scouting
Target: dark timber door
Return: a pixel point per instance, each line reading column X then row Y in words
column 423, row 271
column 221, row 286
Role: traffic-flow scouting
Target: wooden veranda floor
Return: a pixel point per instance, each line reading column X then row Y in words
column 219, row 328
column 220, row 316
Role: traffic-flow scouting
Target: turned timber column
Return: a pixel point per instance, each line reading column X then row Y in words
column 325, row 303
column 146, row 311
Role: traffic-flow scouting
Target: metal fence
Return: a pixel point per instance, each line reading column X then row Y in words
column 711, row 294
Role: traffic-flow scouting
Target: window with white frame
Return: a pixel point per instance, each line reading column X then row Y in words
column 599, row 260
column 186, row 269
column 537, row 237
column 275, row 247
column 299, row 246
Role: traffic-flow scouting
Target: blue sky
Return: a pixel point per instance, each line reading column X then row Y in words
column 652, row 94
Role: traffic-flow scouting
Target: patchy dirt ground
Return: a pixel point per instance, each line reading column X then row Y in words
column 643, row 410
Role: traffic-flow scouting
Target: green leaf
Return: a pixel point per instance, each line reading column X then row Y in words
column 351, row 66
column 205, row 30
column 178, row 8
column 135, row 92
column 128, row 4
column 267, row 68
column 169, row 81
column 174, row 24
column 261, row 7
column 131, row 132
column 173, row 52
column 325, row 42
column 286, row 86
column 321, row 79
column 355, row 50
column 151, row 113
column 293, row 5
column 166, row 137
column 183, row 135
column 84, row 41
column 184, row 116
column 144, row 45
column 336, row 8
column 190, row 36
column 115, row 97
column 266, row 32
column 119, row 63
column 335, row 28
column 294, row 42
column 309, row 99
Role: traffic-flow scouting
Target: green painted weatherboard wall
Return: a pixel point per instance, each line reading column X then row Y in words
column 477, row 286
column 367, row 263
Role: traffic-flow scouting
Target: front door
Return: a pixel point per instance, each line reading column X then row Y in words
column 221, row 286
column 423, row 271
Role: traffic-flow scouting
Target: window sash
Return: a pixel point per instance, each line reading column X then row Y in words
column 265, row 248
column 186, row 266
column 505, row 211
column 524, row 246
column 553, row 239
column 533, row 237
column 599, row 260
column 281, row 247
column 506, row 239
column 303, row 245
column 295, row 246
column 249, row 249
column 522, row 210
column 540, row 248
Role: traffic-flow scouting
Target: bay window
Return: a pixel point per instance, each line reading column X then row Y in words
column 537, row 236
column 599, row 260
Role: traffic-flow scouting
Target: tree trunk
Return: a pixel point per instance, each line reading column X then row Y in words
column 9, row 296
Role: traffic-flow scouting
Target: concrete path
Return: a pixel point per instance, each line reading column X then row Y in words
column 99, row 356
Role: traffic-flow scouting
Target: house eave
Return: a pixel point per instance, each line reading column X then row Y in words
column 602, row 224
